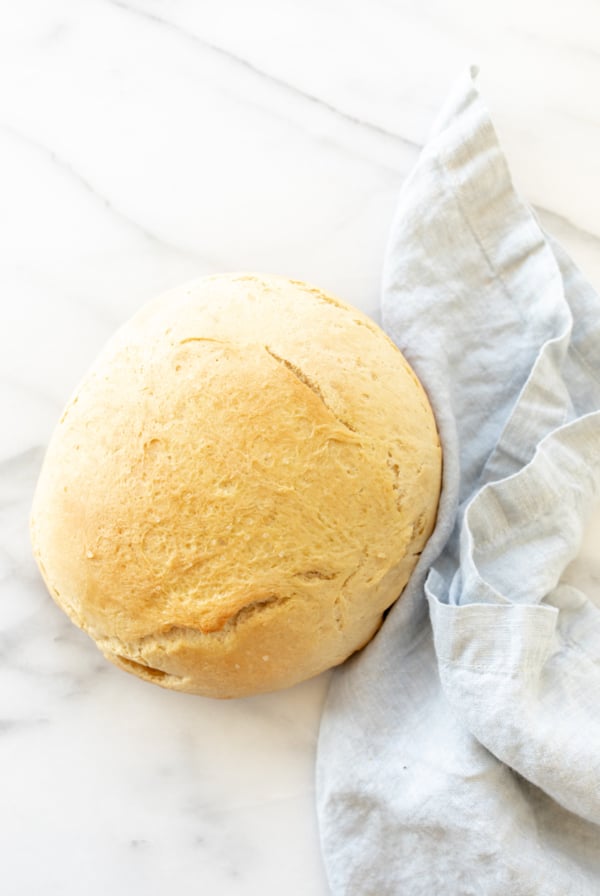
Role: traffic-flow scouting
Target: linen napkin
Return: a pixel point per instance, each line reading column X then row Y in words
column 459, row 753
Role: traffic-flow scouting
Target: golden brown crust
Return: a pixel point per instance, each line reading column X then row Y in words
column 239, row 488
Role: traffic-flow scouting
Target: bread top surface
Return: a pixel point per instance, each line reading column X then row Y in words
column 247, row 451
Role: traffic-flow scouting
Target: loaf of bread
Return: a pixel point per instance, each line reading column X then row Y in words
column 239, row 488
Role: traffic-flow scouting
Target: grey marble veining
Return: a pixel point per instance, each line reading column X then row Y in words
column 143, row 143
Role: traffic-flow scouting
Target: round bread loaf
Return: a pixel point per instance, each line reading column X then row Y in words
column 239, row 488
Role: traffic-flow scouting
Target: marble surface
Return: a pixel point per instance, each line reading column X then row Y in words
column 145, row 142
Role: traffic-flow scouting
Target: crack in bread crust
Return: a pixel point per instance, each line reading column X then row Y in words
column 176, row 632
column 309, row 383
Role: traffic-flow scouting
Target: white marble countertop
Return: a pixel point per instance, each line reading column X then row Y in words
column 146, row 142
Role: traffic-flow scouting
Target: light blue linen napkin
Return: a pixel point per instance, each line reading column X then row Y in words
column 459, row 753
